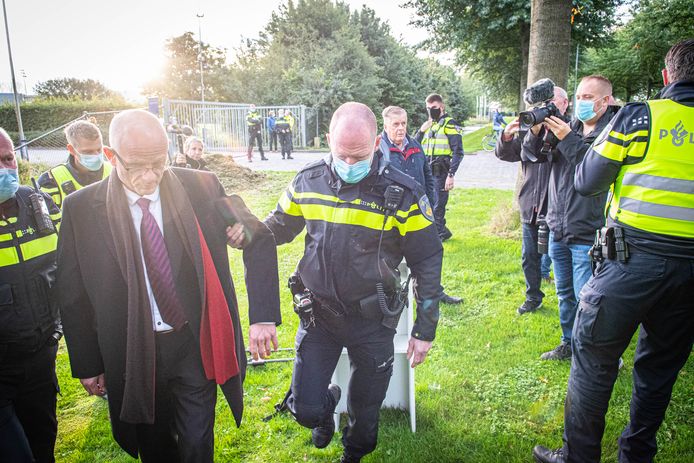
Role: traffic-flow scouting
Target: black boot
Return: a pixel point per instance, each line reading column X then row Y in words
column 446, row 299
column 322, row 434
column 544, row 455
column 349, row 458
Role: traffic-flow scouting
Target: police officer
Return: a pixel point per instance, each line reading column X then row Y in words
column 29, row 330
column 442, row 140
column 84, row 166
column 361, row 219
column 284, row 130
column 646, row 157
column 254, row 123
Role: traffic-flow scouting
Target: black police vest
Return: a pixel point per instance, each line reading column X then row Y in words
column 27, row 269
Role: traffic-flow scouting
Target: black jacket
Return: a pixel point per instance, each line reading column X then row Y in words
column 343, row 223
column 596, row 173
column 532, row 197
column 572, row 218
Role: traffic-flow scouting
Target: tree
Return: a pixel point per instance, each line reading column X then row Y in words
column 71, row 88
column 491, row 38
column 550, row 41
column 181, row 78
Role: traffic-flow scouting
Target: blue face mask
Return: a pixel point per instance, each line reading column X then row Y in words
column 584, row 110
column 92, row 162
column 352, row 173
column 9, row 183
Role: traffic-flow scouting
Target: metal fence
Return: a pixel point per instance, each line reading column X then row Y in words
column 223, row 127
column 50, row 148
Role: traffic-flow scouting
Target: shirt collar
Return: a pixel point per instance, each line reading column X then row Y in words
column 133, row 197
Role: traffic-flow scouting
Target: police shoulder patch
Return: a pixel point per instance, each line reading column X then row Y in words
column 425, row 207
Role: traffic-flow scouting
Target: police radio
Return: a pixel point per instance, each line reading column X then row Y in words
column 44, row 224
column 393, row 196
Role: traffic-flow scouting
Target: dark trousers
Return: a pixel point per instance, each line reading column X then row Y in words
column 657, row 294
column 440, row 201
column 531, row 261
column 254, row 137
column 28, row 389
column 370, row 348
column 183, row 430
column 286, row 143
column 273, row 141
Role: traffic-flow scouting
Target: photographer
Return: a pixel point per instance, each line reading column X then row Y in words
column 571, row 218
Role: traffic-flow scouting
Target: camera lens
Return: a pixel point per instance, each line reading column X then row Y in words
column 527, row 119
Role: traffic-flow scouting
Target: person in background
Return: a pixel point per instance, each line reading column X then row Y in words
column 255, row 123
column 193, row 149
column 270, row 125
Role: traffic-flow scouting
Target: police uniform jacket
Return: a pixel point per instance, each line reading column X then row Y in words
column 343, row 223
column 28, row 309
column 532, row 197
column 448, row 127
column 52, row 181
column 667, row 188
column 571, row 217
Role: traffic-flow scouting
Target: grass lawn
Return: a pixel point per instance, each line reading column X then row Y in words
column 482, row 395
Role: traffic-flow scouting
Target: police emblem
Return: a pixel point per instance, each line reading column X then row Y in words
column 426, row 209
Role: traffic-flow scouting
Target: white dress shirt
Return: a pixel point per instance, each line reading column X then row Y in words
column 136, row 212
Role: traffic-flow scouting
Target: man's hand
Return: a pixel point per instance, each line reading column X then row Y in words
column 235, row 236
column 426, row 126
column 510, row 131
column 95, row 385
column 450, row 183
column 181, row 159
column 560, row 128
column 535, row 129
column 260, row 336
column 417, row 351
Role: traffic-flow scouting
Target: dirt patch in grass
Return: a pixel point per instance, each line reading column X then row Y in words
column 233, row 176
column 505, row 222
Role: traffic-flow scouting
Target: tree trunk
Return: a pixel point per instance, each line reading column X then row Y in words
column 550, row 41
column 524, row 45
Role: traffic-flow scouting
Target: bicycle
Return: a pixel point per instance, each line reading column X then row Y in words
column 489, row 141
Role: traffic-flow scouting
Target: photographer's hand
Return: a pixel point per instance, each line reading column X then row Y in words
column 510, row 130
column 560, row 128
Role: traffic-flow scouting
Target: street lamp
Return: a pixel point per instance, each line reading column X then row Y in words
column 23, row 73
column 202, row 79
column 17, row 109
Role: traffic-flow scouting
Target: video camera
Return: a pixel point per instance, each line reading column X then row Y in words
column 181, row 132
column 540, row 95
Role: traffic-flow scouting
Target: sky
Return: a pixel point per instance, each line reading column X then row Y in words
column 121, row 42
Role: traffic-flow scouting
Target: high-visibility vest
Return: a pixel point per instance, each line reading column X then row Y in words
column 253, row 119
column 435, row 141
column 61, row 174
column 28, row 309
column 657, row 194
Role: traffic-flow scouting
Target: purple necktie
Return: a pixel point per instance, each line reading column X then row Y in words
column 159, row 268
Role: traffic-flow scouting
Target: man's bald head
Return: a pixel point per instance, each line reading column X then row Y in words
column 141, row 145
column 5, row 142
column 7, row 158
column 353, row 130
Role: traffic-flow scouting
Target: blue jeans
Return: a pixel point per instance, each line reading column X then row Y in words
column 571, row 272
column 545, row 264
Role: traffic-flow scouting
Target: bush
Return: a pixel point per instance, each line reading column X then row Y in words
column 30, row 169
column 505, row 221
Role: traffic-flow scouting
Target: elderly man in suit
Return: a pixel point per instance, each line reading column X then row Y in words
column 147, row 300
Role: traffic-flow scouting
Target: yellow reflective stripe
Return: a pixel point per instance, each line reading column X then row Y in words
column 611, row 151
column 628, row 136
column 9, row 220
column 653, row 224
column 671, row 198
column 288, row 206
column 56, row 216
column 39, row 246
column 6, row 237
column 361, row 218
column 8, row 256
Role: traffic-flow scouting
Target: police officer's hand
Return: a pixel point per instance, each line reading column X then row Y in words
column 426, row 126
column 262, row 339
column 417, row 351
column 450, row 183
column 510, row 130
column 95, row 385
column 560, row 128
column 235, row 236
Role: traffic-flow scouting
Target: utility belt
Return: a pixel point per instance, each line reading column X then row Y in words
column 379, row 306
column 440, row 165
column 609, row 244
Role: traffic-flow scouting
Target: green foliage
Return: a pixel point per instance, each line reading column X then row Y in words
column 321, row 54
column 634, row 57
column 41, row 115
column 491, row 38
column 69, row 88
column 181, row 78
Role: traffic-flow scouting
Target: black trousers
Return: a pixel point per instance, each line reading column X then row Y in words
column 657, row 294
column 441, row 200
column 286, row 143
column 273, row 141
column 183, row 430
column 254, row 137
column 318, row 348
column 28, row 390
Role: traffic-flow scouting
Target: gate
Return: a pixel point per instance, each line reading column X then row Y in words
column 222, row 126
